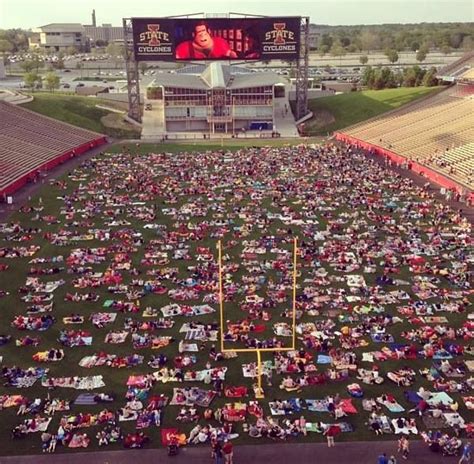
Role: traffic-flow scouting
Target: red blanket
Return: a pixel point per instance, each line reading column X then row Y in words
column 166, row 434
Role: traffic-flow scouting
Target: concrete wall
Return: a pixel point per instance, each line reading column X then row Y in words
column 181, row 126
column 119, row 97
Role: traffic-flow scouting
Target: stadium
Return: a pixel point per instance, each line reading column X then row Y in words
column 215, row 260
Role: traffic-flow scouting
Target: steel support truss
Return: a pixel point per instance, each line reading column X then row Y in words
column 131, row 68
column 302, row 71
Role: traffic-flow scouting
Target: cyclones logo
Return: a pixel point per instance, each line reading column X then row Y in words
column 279, row 35
column 153, row 35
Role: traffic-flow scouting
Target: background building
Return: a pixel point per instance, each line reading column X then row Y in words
column 59, row 36
column 215, row 99
column 106, row 33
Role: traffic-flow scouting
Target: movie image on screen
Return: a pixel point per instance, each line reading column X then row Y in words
column 216, row 39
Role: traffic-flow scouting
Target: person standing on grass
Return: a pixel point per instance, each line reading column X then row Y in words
column 466, row 454
column 404, row 447
column 228, row 450
column 218, row 453
column 330, row 433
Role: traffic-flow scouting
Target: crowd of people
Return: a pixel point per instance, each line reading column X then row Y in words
column 124, row 251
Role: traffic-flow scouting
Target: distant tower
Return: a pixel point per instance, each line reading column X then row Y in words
column 93, row 19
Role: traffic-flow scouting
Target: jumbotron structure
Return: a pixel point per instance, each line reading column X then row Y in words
column 236, row 38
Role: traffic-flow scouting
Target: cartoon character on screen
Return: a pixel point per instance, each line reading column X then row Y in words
column 253, row 48
column 204, row 46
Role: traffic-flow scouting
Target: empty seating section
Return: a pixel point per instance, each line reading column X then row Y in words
column 459, row 160
column 465, row 90
column 452, row 70
column 424, row 130
column 28, row 141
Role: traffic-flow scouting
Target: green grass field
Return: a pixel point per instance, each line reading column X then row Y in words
column 78, row 111
column 351, row 108
column 115, row 379
column 201, row 145
column 330, row 114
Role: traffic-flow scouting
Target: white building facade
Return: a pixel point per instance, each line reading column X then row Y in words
column 58, row 37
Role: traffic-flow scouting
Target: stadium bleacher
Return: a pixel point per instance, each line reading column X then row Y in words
column 425, row 130
column 31, row 143
column 450, row 72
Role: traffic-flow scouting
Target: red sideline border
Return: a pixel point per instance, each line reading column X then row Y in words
column 81, row 149
column 430, row 174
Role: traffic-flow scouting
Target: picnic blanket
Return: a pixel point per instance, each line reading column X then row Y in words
column 412, row 396
column 431, row 422
column 347, row 406
column 167, row 434
column 439, row 398
column 469, row 402
column 38, row 424
column 317, row 405
column 184, row 310
column 186, row 346
column 79, row 383
column 406, row 430
column 85, row 399
column 392, row 405
column 290, row 406
column 319, row 427
column 454, row 419
column 192, row 396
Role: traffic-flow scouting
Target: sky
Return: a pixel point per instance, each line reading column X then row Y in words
column 33, row 13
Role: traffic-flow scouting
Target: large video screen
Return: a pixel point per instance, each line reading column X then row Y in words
column 186, row 39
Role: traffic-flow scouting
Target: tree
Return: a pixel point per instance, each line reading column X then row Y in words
column 413, row 76
column 415, row 46
column 71, row 51
column 468, row 43
column 80, row 65
column 456, row 39
column 30, row 79
column 17, row 38
column 37, row 61
column 337, row 50
column 368, row 77
column 363, row 59
column 143, row 67
column 389, row 79
column 115, row 51
column 27, row 66
column 429, row 79
column 391, row 55
column 52, row 81
column 59, row 64
column 369, row 40
column 323, row 49
column 5, row 46
column 327, row 40
column 378, row 82
column 421, row 55
column 101, row 43
column 445, row 50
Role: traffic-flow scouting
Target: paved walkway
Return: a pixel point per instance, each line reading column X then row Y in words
column 284, row 119
column 287, row 453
